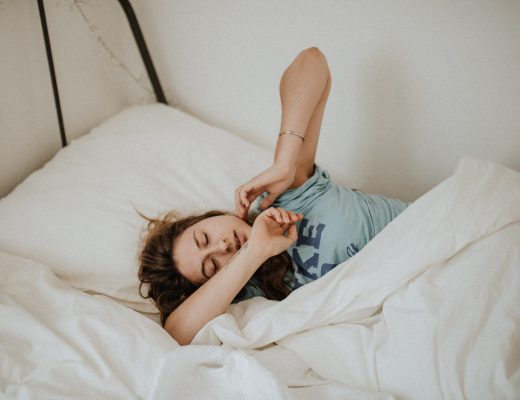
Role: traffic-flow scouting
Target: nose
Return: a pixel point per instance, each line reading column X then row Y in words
column 221, row 250
column 220, row 247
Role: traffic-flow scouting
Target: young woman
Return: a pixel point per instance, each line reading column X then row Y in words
column 197, row 266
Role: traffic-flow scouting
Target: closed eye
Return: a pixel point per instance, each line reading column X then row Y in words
column 206, row 237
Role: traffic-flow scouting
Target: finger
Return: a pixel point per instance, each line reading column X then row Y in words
column 242, row 200
column 238, row 203
column 253, row 191
column 285, row 215
column 244, row 197
column 293, row 216
column 292, row 233
column 285, row 228
column 271, row 220
column 268, row 201
column 272, row 213
column 249, row 195
column 296, row 216
column 240, row 209
column 245, row 210
column 277, row 215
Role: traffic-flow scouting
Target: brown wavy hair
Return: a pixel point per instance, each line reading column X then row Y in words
column 168, row 288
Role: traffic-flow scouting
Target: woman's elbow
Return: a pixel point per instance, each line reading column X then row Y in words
column 313, row 54
column 312, row 59
column 174, row 329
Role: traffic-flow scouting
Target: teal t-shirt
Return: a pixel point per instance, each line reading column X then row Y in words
column 338, row 222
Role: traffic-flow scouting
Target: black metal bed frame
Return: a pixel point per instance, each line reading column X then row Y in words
column 141, row 44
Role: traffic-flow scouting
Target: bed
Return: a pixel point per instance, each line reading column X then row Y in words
column 427, row 310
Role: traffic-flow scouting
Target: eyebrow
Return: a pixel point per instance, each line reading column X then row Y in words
column 203, row 270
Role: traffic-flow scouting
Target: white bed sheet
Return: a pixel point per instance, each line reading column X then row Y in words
column 429, row 310
column 59, row 342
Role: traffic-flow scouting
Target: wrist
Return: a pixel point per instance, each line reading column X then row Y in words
column 287, row 152
column 286, row 167
column 255, row 251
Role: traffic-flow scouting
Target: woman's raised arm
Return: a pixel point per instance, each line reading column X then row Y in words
column 304, row 90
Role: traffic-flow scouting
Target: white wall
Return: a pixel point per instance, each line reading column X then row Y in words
column 416, row 84
column 91, row 83
column 26, row 137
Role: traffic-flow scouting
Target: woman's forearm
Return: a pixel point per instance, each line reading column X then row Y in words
column 304, row 89
column 214, row 297
column 301, row 88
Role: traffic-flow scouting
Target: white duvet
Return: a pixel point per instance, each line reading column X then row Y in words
column 430, row 309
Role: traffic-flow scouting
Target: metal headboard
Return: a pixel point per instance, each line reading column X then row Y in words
column 141, row 44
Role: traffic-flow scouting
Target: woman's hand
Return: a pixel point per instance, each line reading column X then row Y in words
column 274, row 230
column 275, row 180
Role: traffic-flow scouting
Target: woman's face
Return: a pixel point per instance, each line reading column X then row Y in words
column 207, row 246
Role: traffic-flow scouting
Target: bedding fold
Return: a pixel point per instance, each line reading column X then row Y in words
column 353, row 326
column 428, row 309
column 58, row 342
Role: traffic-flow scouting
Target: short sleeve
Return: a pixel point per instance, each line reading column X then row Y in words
column 302, row 198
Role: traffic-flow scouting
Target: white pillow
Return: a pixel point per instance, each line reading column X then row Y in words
column 77, row 215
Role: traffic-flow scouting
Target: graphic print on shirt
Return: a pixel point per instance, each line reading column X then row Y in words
column 305, row 267
column 352, row 249
column 308, row 239
column 310, row 268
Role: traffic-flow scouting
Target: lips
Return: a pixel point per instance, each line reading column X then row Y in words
column 237, row 241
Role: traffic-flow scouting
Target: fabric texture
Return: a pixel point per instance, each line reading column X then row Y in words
column 338, row 222
column 428, row 309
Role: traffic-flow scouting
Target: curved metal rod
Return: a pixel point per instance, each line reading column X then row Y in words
column 57, row 104
column 143, row 49
column 141, row 44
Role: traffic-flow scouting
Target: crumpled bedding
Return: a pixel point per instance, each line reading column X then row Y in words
column 428, row 309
